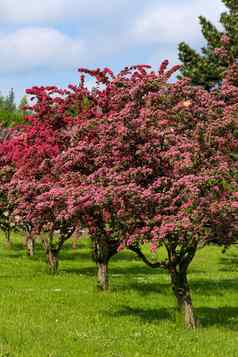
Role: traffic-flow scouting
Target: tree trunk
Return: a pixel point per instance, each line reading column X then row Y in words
column 102, row 276
column 75, row 239
column 101, row 253
column 8, row 237
column 52, row 255
column 53, row 262
column 184, row 301
column 30, row 246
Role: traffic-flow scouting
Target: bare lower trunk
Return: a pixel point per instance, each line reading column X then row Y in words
column 102, row 251
column 53, row 262
column 102, row 276
column 30, row 246
column 8, row 237
column 52, row 256
column 183, row 297
column 101, row 256
column 185, row 307
column 75, row 239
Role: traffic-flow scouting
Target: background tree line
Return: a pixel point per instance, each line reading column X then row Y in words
column 208, row 67
column 11, row 113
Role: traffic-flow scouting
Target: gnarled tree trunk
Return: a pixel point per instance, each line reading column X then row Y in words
column 52, row 256
column 8, row 236
column 102, row 250
column 74, row 243
column 53, row 246
column 102, row 276
column 184, row 301
column 53, row 261
column 30, row 245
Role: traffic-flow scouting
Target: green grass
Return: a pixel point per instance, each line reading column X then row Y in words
column 64, row 315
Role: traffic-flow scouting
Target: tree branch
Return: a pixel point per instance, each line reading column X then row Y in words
column 137, row 250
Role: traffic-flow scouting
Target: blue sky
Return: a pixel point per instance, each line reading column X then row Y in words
column 44, row 42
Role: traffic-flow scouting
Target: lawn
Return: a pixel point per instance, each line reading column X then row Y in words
column 64, row 315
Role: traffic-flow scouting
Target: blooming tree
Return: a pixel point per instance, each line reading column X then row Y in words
column 152, row 161
column 30, row 151
column 136, row 160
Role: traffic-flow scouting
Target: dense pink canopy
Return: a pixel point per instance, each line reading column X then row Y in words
column 147, row 158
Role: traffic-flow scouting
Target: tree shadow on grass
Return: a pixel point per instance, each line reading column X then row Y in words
column 15, row 250
column 138, row 278
column 229, row 263
column 142, row 289
column 198, row 287
column 87, row 271
column 225, row 316
column 146, row 315
column 120, row 271
column 211, row 287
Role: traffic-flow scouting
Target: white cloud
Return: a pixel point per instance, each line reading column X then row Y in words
column 112, row 32
column 39, row 48
column 48, row 11
column 15, row 11
column 172, row 22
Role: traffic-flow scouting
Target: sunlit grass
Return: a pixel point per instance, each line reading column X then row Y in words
column 64, row 315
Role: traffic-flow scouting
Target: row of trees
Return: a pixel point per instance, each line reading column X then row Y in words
column 135, row 160
column 10, row 113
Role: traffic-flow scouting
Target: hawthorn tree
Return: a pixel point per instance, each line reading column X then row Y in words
column 138, row 159
column 5, row 210
column 156, row 162
column 38, row 189
column 30, row 152
column 6, row 173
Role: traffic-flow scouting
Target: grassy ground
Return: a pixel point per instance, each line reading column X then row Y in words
column 64, row 315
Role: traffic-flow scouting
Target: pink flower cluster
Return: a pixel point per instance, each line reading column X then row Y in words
column 137, row 158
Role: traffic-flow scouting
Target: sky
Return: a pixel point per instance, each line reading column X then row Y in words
column 45, row 42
